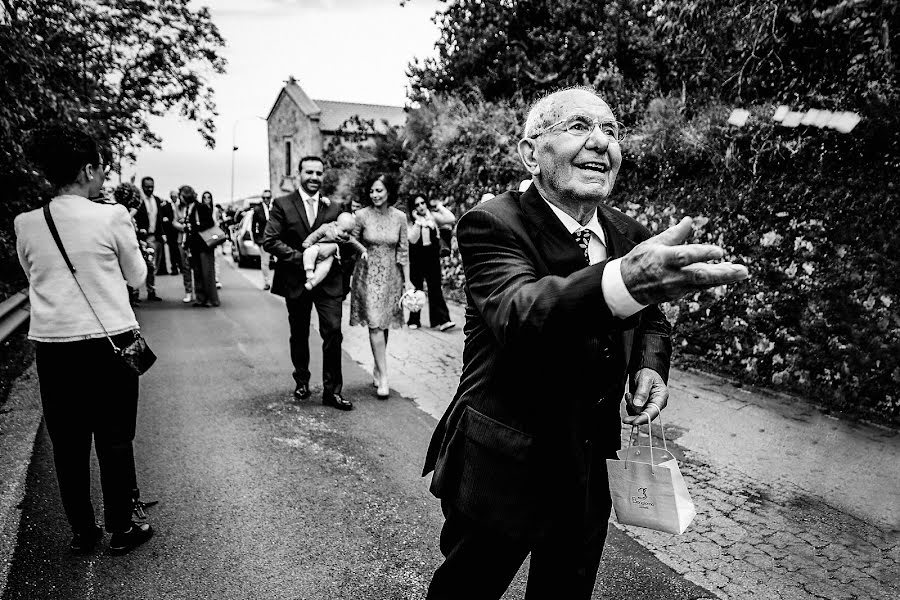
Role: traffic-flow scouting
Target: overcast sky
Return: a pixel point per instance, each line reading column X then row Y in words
column 346, row 50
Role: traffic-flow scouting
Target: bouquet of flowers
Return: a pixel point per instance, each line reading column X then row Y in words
column 413, row 300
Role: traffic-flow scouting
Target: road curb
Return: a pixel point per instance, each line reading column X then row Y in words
column 19, row 420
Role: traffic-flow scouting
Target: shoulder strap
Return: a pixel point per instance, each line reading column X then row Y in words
column 53, row 231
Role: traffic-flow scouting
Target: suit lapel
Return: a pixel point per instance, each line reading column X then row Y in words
column 320, row 214
column 614, row 226
column 297, row 203
column 560, row 252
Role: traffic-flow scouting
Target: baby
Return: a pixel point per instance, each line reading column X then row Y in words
column 322, row 246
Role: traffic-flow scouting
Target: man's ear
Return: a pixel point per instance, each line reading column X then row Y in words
column 527, row 149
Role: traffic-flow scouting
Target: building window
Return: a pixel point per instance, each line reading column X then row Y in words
column 287, row 157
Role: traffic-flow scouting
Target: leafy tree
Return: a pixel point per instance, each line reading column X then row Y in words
column 106, row 64
column 522, row 48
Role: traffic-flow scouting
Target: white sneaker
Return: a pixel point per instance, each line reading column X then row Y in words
column 447, row 325
column 187, row 299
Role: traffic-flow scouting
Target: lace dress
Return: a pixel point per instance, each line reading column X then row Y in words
column 378, row 280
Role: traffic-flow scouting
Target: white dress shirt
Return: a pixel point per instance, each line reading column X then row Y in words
column 310, row 206
column 619, row 300
column 150, row 205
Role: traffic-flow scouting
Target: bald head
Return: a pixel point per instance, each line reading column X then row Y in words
column 551, row 108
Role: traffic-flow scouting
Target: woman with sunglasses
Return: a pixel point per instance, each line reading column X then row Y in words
column 425, row 260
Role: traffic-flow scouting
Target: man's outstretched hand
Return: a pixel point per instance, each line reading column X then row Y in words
column 662, row 268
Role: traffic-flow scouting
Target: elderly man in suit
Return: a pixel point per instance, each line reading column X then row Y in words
column 562, row 311
column 291, row 219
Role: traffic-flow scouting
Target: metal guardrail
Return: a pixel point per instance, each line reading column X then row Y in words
column 14, row 311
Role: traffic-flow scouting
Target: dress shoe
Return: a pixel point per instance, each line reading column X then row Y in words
column 126, row 541
column 153, row 298
column 446, row 326
column 84, row 541
column 201, row 304
column 301, row 392
column 337, row 401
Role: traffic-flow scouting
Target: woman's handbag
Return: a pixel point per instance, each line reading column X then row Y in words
column 137, row 355
column 647, row 488
column 213, row 236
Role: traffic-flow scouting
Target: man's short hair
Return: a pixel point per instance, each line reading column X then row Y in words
column 60, row 151
column 308, row 158
column 147, row 178
column 545, row 110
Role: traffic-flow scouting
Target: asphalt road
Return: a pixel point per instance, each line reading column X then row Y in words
column 260, row 497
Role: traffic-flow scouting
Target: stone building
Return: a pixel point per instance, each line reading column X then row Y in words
column 299, row 126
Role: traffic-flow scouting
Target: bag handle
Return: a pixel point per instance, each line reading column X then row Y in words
column 637, row 427
column 55, row 233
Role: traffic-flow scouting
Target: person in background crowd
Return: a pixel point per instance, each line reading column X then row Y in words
column 563, row 295
column 425, row 259
column 86, row 388
column 381, row 274
column 207, row 199
column 258, row 227
column 149, row 218
column 445, row 230
column 172, row 234
column 180, row 222
column 291, row 220
column 203, row 258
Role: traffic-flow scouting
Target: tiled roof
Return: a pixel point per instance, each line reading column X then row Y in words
column 335, row 113
column 332, row 114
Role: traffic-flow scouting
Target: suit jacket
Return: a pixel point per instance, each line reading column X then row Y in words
column 163, row 209
column 544, row 370
column 258, row 225
column 199, row 218
column 285, row 231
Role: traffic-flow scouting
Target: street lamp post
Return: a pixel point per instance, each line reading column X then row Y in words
column 234, row 148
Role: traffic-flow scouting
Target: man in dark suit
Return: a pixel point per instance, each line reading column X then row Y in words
column 258, row 226
column 291, row 219
column 150, row 220
column 562, row 295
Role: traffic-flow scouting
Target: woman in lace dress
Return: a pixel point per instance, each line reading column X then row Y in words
column 381, row 275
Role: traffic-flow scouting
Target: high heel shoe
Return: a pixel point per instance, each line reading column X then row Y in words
column 382, row 391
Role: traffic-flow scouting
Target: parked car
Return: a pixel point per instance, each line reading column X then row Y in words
column 244, row 250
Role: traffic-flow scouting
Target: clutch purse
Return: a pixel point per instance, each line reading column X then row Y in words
column 213, row 236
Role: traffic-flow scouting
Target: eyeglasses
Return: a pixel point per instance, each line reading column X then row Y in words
column 582, row 126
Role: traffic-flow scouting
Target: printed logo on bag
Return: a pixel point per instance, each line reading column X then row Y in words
column 641, row 499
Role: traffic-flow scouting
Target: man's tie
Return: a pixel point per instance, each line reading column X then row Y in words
column 310, row 211
column 583, row 237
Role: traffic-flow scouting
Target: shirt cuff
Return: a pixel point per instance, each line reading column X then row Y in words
column 619, row 300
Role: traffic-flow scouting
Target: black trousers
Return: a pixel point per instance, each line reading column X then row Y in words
column 174, row 252
column 425, row 266
column 329, row 311
column 86, row 391
column 479, row 564
column 203, row 263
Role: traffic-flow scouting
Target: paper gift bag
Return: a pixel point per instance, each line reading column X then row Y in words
column 648, row 490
